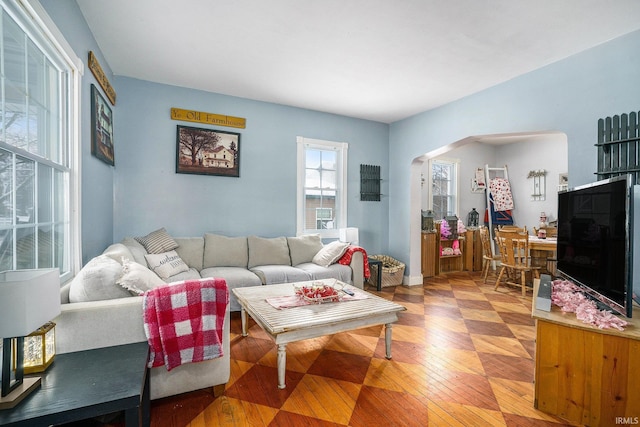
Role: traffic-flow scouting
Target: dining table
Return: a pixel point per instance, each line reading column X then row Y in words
column 543, row 253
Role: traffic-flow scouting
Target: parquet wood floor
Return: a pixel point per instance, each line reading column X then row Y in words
column 463, row 355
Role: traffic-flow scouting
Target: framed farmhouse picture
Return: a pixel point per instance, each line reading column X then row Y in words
column 207, row 152
column 101, row 127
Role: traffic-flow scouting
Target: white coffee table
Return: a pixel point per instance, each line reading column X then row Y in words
column 312, row 321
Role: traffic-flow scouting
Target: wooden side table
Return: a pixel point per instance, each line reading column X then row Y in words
column 87, row 384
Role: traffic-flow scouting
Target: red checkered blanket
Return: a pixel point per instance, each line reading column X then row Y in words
column 346, row 258
column 183, row 321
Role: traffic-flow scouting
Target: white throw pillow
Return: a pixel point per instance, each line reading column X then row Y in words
column 167, row 264
column 330, row 253
column 97, row 281
column 137, row 278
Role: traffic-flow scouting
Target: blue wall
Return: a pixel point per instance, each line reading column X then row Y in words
column 143, row 191
column 97, row 177
column 262, row 201
column 568, row 96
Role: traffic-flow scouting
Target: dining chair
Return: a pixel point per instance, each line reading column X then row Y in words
column 514, row 252
column 488, row 258
column 512, row 228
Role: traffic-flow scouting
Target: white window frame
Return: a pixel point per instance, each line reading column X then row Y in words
column 455, row 185
column 34, row 21
column 341, row 149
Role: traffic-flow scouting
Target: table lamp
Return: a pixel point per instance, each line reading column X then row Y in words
column 28, row 299
column 349, row 235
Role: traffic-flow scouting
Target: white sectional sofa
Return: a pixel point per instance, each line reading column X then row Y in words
column 99, row 310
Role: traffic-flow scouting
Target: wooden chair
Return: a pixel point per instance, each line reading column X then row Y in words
column 512, row 228
column 514, row 252
column 487, row 255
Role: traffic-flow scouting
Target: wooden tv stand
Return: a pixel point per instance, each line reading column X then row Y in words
column 584, row 374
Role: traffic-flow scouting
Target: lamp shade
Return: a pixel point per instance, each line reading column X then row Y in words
column 349, row 235
column 28, row 300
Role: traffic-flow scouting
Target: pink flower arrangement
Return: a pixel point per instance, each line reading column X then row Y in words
column 569, row 298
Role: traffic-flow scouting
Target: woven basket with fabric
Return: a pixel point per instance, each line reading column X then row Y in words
column 392, row 270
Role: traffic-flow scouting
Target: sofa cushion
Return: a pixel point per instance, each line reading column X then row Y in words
column 166, row 264
column 118, row 252
column 191, row 250
column 271, row 274
column 264, row 251
column 304, row 248
column 190, row 274
column 330, row 253
column 137, row 278
column 158, row 242
column 97, row 281
column 137, row 250
column 236, row 277
column 334, row 271
column 223, row 251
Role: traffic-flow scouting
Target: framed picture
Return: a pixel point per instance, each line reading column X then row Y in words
column 102, row 127
column 207, row 152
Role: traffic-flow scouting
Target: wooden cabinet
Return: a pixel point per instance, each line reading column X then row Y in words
column 450, row 263
column 433, row 263
column 429, row 254
column 473, row 253
column 584, row 374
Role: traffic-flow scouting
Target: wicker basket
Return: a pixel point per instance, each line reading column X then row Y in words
column 392, row 270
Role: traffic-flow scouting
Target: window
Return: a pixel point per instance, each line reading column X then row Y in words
column 322, row 187
column 38, row 86
column 444, row 188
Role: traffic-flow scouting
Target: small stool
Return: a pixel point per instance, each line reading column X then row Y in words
column 379, row 264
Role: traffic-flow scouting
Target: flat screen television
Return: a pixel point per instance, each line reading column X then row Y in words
column 595, row 240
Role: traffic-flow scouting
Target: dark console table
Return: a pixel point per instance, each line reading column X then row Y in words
column 87, row 384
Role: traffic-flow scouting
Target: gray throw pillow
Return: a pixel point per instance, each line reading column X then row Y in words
column 263, row 251
column 303, row 248
column 158, row 242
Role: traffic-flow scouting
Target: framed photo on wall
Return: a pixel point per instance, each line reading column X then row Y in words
column 207, row 152
column 101, row 127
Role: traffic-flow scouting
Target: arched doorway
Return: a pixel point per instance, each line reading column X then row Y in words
column 541, row 138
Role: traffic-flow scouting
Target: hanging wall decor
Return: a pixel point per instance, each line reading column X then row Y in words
column 207, row 152
column 101, row 128
column 539, row 184
column 101, row 77
column 370, row 183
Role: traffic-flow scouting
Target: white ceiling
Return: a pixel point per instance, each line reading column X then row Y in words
column 380, row 60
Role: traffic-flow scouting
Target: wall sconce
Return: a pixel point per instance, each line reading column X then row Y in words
column 539, row 184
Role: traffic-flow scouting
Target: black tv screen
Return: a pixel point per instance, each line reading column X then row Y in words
column 594, row 240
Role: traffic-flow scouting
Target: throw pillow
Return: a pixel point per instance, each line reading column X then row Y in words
column 263, row 251
column 158, row 242
column 303, row 248
column 166, row 264
column 137, row 278
column 97, row 281
column 330, row 253
column 118, row 252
